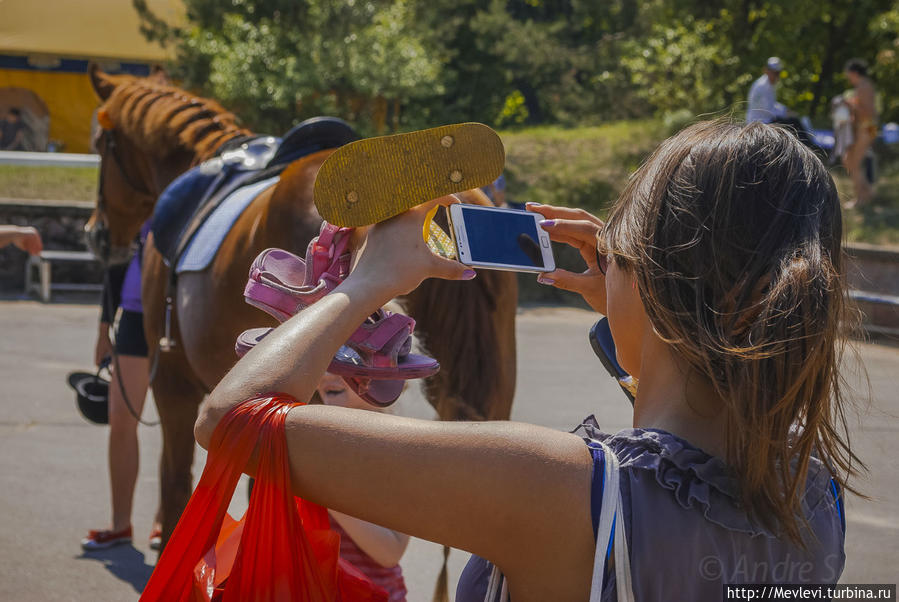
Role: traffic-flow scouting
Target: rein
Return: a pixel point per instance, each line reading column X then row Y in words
column 109, row 146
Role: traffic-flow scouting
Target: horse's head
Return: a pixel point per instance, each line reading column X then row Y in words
column 126, row 190
column 150, row 133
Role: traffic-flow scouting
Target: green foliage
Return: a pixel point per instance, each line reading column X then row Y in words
column 514, row 110
column 703, row 56
column 415, row 63
column 579, row 167
column 884, row 30
column 684, row 65
column 278, row 62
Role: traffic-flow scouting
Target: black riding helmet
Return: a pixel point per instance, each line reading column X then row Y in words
column 92, row 394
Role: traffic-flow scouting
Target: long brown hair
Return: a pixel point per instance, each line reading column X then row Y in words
column 733, row 233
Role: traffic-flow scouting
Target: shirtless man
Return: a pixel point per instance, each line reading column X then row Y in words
column 864, row 129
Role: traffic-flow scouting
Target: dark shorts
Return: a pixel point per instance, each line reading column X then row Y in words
column 129, row 336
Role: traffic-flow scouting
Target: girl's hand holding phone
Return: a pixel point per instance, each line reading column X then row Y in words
column 579, row 229
column 392, row 258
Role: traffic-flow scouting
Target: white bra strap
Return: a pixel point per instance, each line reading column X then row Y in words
column 606, row 518
column 611, row 507
column 493, row 585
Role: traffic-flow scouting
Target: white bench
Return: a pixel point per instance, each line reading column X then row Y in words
column 40, row 265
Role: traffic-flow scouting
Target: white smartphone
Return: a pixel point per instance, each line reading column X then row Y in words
column 500, row 239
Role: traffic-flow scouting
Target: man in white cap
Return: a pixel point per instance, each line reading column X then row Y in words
column 763, row 105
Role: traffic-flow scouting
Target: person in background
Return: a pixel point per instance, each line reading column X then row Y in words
column 864, row 130
column 12, row 131
column 25, row 237
column 496, row 191
column 374, row 550
column 763, row 105
column 127, row 393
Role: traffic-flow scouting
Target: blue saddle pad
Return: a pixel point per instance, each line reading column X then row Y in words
column 175, row 207
column 206, row 242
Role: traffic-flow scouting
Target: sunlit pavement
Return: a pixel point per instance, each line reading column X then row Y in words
column 54, row 475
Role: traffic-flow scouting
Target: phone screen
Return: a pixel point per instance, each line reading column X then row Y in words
column 506, row 237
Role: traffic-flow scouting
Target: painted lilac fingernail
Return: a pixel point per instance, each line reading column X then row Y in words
column 469, row 274
column 532, row 204
column 545, row 280
column 548, row 223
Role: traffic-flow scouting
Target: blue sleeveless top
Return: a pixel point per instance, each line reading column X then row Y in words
column 687, row 535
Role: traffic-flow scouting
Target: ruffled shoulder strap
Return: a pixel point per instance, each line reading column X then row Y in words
column 696, row 479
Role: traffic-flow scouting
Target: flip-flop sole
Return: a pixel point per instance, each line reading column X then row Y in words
column 346, row 362
column 371, row 180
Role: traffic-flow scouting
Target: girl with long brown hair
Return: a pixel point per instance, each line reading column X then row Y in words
column 721, row 273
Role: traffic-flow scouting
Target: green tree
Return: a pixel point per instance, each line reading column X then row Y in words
column 885, row 68
column 416, row 63
column 277, row 62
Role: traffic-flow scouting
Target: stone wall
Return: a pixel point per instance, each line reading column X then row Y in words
column 874, row 274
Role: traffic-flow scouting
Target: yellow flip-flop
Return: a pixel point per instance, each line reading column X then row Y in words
column 438, row 241
column 374, row 179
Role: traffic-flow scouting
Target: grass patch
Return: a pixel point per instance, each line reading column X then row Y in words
column 576, row 167
column 49, row 183
column 878, row 222
column 579, row 167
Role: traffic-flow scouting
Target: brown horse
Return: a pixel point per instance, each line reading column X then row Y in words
column 152, row 133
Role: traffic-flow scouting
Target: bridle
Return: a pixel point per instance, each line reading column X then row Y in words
column 108, row 139
column 100, row 235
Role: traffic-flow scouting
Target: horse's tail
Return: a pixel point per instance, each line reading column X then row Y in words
column 441, row 589
column 470, row 328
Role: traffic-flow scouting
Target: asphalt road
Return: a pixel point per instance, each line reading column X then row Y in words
column 54, row 476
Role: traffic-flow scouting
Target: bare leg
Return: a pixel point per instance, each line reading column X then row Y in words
column 123, row 444
column 852, row 161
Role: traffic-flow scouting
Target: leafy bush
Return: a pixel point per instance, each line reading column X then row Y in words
column 576, row 167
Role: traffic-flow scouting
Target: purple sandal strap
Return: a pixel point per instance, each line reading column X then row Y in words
column 374, row 337
column 325, row 254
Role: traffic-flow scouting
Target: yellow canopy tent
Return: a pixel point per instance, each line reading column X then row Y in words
column 45, row 48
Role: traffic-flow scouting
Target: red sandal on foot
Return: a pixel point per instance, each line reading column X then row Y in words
column 156, row 538
column 100, row 540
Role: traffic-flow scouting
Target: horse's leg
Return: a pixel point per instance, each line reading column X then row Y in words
column 177, row 399
column 176, row 391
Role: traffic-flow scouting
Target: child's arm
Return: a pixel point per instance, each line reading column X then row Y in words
column 385, row 546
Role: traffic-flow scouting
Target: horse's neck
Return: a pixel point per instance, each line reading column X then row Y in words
column 288, row 217
column 170, row 165
column 166, row 169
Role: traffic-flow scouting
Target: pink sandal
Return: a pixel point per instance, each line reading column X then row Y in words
column 377, row 359
column 374, row 364
column 273, row 276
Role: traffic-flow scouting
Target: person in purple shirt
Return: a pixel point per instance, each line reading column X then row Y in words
column 122, row 289
column 721, row 272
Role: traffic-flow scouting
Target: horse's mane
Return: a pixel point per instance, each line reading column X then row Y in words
column 164, row 119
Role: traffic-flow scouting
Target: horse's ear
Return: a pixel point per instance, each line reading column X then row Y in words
column 102, row 82
column 159, row 76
